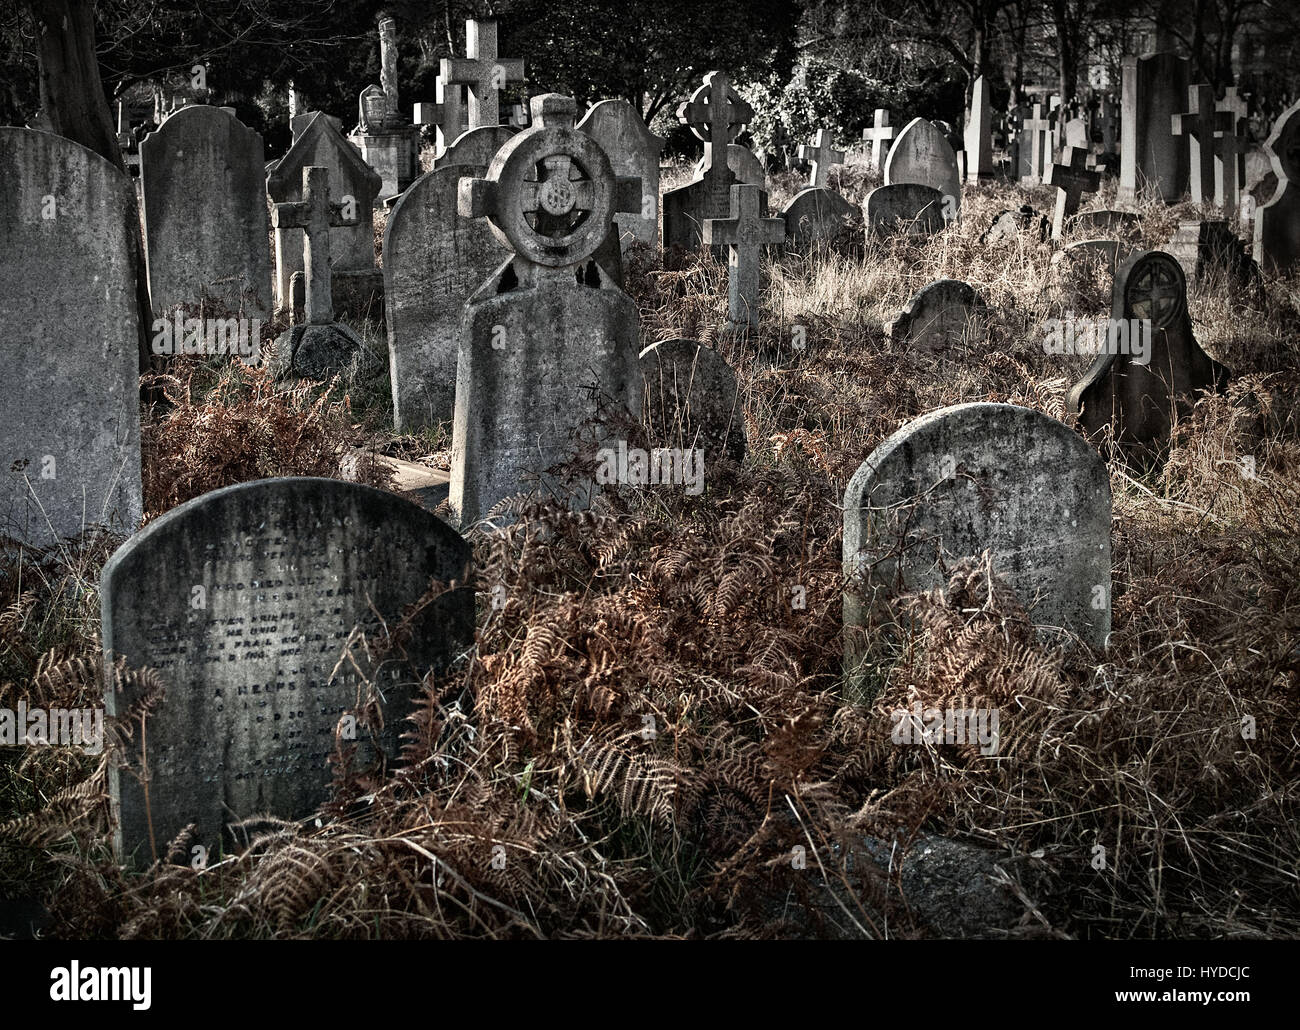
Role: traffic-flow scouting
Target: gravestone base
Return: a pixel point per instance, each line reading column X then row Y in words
column 358, row 295
column 313, row 351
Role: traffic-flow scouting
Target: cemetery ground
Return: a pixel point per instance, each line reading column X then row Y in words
column 648, row 736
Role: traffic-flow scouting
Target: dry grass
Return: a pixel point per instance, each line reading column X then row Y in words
column 658, row 611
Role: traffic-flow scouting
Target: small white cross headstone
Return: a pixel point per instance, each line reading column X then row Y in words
column 822, row 155
column 1230, row 142
column 746, row 233
column 1198, row 122
column 878, row 135
column 1038, row 127
column 482, row 71
column 315, row 214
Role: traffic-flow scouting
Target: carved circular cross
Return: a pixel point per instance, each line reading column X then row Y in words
column 555, row 194
column 1156, row 289
column 735, row 112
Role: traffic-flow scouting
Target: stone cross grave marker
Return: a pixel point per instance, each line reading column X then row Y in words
column 1234, row 102
column 202, row 178
column 746, row 232
column 1072, row 181
column 878, row 135
column 969, row 478
column 633, row 150
column 715, row 114
column 482, row 72
column 544, row 352
column 1197, row 123
column 1037, row 127
column 245, row 600
column 978, row 136
column 321, row 345
column 1277, row 223
column 822, row 154
column 434, row 260
column 1154, row 88
column 352, row 244
column 1142, row 379
column 70, row 428
column 446, row 114
column 1230, row 142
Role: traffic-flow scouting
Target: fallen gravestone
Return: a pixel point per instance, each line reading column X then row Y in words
column 1152, row 366
column 70, row 429
column 245, row 601
column 690, row 400
column 1100, row 223
column 969, row 478
column 1010, row 225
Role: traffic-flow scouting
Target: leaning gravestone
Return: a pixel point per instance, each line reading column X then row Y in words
column 1277, row 223
column 907, row 207
column 922, row 154
column 244, row 600
column 545, row 354
column 202, row 178
column 70, row 428
column 970, row 478
column 433, row 261
column 944, row 317
column 352, row 182
column 1132, row 393
column 1154, row 90
column 633, row 150
column 690, row 400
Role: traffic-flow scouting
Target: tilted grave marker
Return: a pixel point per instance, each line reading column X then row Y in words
column 1072, row 182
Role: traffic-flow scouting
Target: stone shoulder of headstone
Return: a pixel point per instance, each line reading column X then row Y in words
column 969, row 478
column 909, row 207
column 286, row 177
column 243, row 601
column 69, row 397
column 944, row 315
column 475, row 147
column 691, row 400
column 742, row 162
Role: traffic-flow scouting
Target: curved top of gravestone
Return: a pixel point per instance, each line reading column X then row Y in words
column 286, row 175
column 615, row 119
column 921, row 153
column 233, row 511
column 197, row 119
column 693, row 383
column 1283, row 146
column 477, row 146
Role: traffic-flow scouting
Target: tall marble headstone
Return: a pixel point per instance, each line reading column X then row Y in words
column 1154, row 90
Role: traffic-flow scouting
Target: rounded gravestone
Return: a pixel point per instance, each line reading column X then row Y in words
column 690, row 400
column 816, row 213
column 922, row 154
column 972, row 477
column 946, row 316
column 244, row 601
column 908, row 208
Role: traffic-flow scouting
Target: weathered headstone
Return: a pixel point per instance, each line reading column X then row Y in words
column 746, row 233
column 1204, row 247
column 1104, row 222
column 978, row 137
column 943, row 317
column 70, row 428
column 715, row 114
column 544, row 353
column 878, row 136
column 1072, row 182
column 633, row 150
column 352, row 181
column 821, row 154
column 1150, row 371
column 1035, row 146
column 434, row 260
column 1277, row 223
column 1075, row 134
column 1197, row 124
column 690, row 400
column 969, row 478
column 202, row 178
column 1010, row 225
column 744, row 165
column 907, row 207
column 244, row 601
column 482, row 72
column 815, row 214
column 1154, row 88
column 922, row 154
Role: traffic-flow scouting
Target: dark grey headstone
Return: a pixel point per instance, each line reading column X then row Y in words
column 907, row 207
column 69, row 395
column 690, row 400
column 946, row 316
column 815, row 214
column 243, row 600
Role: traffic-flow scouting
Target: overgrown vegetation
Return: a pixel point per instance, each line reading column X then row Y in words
column 648, row 727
